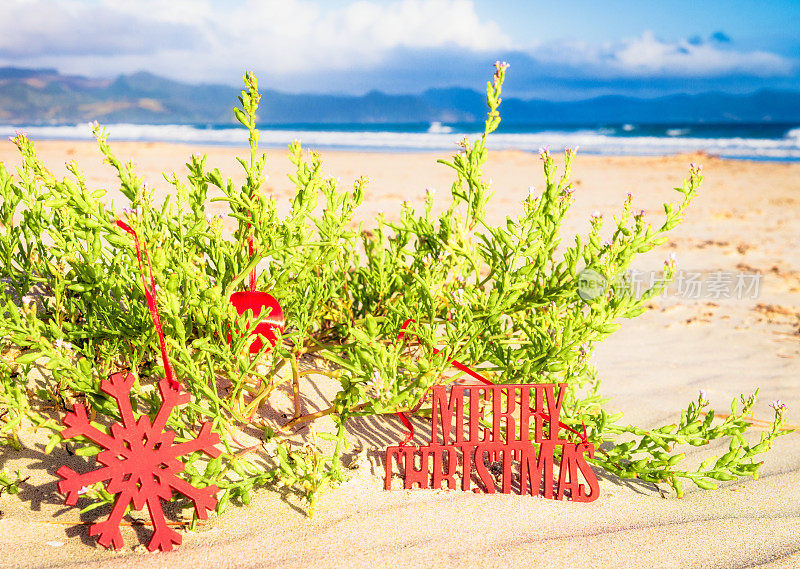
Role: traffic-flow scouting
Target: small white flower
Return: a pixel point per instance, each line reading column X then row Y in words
column 597, row 215
column 83, row 490
column 500, row 65
column 59, row 343
column 375, row 380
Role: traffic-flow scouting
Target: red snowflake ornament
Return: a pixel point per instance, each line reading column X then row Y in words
column 140, row 463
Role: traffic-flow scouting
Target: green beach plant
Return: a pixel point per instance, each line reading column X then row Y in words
column 503, row 298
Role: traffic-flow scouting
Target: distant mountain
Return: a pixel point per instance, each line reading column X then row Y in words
column 44, row 96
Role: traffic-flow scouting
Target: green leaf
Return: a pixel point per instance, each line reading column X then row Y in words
column 90, row 450
column 28, row 358
column 704, row 484
column 93, row 506
column 241, row 117
column 52, row 443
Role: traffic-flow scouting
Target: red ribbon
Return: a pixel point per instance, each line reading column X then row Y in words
column 472, row 373
column 150, row 294
column 250, row 253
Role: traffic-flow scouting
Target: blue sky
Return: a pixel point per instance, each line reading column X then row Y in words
column 750, row 23
column 557, row 50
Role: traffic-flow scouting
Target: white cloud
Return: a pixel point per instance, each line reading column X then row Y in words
column 289, row 35
column 649, row 56
column 44, row 28
column 315, row 45
column 423, row 24
column 201, row 40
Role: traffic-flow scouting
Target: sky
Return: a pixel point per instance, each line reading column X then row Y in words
column 557, row 50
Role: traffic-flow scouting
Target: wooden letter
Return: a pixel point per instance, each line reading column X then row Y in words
column 534, row 471
column 445, row 409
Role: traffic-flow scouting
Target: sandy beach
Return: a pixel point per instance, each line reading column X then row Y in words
column 744, row 225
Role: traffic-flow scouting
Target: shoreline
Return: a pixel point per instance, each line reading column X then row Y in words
column 769, row 142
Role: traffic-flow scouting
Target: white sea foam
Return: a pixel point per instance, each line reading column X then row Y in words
column 590, row 141
column 794, row 134
column 677, row 131
column 437, row 128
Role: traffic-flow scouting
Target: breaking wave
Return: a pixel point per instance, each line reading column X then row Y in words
column 593, row 141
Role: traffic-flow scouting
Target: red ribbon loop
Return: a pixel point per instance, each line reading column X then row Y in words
column 150, row 295
column 252, row 277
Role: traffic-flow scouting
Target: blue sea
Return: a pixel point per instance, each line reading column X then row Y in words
column 763, row 141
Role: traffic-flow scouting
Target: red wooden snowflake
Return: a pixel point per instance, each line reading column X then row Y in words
column 140, row 463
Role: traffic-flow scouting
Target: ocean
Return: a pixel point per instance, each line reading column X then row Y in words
column 763, row 141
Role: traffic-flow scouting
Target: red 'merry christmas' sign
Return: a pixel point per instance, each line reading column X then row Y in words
column 507, row 443
column 460, row 445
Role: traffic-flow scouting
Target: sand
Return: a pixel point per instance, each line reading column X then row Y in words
column 746, row 220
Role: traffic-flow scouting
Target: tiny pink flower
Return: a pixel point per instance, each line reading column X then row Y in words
column 500, row 66
column 544, row 152
column 778, row 405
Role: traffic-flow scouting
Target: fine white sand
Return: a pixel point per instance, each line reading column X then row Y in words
column 745, row 221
